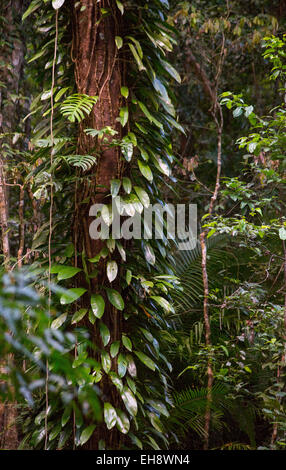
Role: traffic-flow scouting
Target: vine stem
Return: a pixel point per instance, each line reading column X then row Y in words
column 283, row 359
column 51, row 218
column 216, row 112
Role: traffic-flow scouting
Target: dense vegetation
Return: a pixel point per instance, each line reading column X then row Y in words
column 123, row 344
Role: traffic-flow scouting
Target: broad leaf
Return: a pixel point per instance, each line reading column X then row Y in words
column 57, row 323
column 115, row 298
column 129, row 401
column 86, row 434
column 104, row 333
column 110, row 416
column 145, row 170
column 57, row 4
column 122, row 422
column 146, row 360
column 97, row 304
column 71, row 295
column 112, row 270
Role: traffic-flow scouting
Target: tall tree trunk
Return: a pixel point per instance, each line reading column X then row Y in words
column 12, row 56
column 98, row 73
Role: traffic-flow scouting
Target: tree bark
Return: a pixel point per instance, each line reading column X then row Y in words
column 12, row 55
column 98, row 73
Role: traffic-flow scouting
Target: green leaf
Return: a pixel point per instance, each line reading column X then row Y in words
column 71, row 295
column 124, row 91
column 118, row 42
column 143, row 196
column 110, row 416
column 146, row 112
column 114, row 348
column 237, row 112
column 248, row 110
column 127, row 185
column 171, row 71
column 251, row 146
column 155, row 421
column 163, row 303
column 57, row 323
column 121, row 251
column 136, row 441
column 102, row 254
column 60, row 93
column 116, row 381
column 123, row 116
column 131, row 367
column 127, row 342
column 57, row 4
column 86, row 434
column 34, row 5
column 122, row 422
column 282, row 233
column 120, row 6
column 159, row 406
column 147, row 335
column 129, row 401
column 115, row 298
column 136, row 57
column 128, row 276
column 104, row 333
column 122, row 365
column 111, row 270
column 146, row 360
column 67, row 272
column 127, row 150
column 145, row 170
column 149, row 254
column 114, row 187
column 131, row 384
column 66, row 415
column 91, row 317
column 105, row 361
column 97, row 304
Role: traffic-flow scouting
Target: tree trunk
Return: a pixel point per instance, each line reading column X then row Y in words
column 12, row 55
column 98, row 73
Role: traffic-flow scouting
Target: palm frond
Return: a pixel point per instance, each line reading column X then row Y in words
column 85, row 162
column 77, row 106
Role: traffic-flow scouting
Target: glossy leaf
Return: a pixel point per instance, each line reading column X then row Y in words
column 122, row 422
column 71, row 295
column 145, row 170
column 86, row 434
column 111, row 270
column 115, row 298
column 97, row 304
column 129, row 401
column 57, row 4
column 104, row 333
column 110, row 416
column 105, row 361
column 146, row 360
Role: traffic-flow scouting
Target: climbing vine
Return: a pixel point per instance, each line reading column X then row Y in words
column 113, row 288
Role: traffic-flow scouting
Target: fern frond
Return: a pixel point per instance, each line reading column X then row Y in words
column 85, row 162
column 197, row 396
column 187, row 267
column 235, row 446
column 76, row 107
column 108, row 130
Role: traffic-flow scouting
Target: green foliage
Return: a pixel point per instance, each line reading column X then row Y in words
column 156, row 366
column 76, row 106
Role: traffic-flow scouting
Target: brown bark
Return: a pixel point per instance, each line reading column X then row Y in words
column 4, row 216
column 98, row 73
column 12, row 55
